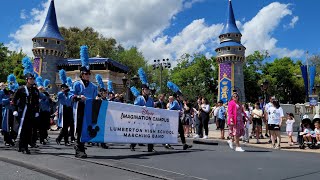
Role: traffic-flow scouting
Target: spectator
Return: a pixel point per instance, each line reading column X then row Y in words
column 187, row 117
column 289, row 128
column 235, row 122
column 204, row 116
column 257, row 115
column 247, row 118
column 221, row 118
column 196, row 115
column 275, row 116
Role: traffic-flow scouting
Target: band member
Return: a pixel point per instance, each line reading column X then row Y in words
column 8, row 118
column 71, row 131
column 65, row 109
column 83, row 90
column 144, row 100
column 103, row 95
column 26, row 102
column 111, row 96
column 45, row 107
column 174, row 104
column 2, row 87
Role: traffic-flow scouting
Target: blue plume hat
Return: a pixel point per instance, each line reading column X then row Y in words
column 46, row 84
column 39, row 81
column 110, row 87
column 12, row 81
column 143, row 78
column 63, row 78
column 135, row 91
column 173, row 87
column 100, row 83
column 28, row 71
column 69, row 82
column 84, row 56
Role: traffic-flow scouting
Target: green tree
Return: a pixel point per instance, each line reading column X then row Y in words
column 98, row 45
column 284, row 82
column 252, row 75
column 10, row 62
column 196, row 77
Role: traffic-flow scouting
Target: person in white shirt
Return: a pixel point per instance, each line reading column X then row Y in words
column 204, row 116
column 289, row 128
column 275, row 116
column 317, row 131
column 247, row 123
column 215, row 116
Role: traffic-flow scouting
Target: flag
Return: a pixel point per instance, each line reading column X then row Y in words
column 37, row 63
column 304, row 71
column 312, row 75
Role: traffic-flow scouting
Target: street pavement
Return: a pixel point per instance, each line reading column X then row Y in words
column 203, row 161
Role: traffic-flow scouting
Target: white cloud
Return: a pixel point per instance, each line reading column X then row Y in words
column 294, row 21
column 123, row 20
column 143, row 22
column 188, row 4
column 194, row 38
column 257, row 33
column 23, row 14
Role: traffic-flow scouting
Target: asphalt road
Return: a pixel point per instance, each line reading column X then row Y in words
column 118, row 162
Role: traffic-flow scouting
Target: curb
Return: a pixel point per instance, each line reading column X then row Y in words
column 38, row 169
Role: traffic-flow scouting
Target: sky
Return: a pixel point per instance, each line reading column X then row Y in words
column 171, row 28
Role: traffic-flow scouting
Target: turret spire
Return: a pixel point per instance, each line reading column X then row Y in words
column 230, row 26
column 50, row 27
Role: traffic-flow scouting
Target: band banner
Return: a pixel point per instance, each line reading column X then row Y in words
column 113, row 122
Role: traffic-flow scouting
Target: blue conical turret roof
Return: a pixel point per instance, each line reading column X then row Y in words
column 50, row 27
column 231, row 26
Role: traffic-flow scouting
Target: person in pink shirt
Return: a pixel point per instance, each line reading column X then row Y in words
column 235, row 121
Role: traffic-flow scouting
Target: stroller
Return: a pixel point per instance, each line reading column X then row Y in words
column 305, row 122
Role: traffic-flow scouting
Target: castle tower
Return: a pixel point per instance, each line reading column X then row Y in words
column 48, row 45
column 230, row 56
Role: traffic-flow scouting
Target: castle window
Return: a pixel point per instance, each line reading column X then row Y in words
column 240, row 49
column 45, row 40
column 58, row 42
column 229, row 49
column 51, row 52
column 219, row 50
column 237, row 35
column 228, row 35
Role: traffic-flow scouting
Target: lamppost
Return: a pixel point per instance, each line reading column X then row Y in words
column 127, row 84
column 264, row 88
column 161, row 65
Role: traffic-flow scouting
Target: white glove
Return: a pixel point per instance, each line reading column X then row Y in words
column 15, row 113
column 37, row 115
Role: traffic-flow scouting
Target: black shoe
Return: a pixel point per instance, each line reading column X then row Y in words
column 43, row 143
column 58, row 141
column 270, row 141
column 80, row 154
column 132, row 148
column 27, row 151
column 168, row 146
column 186, row 146
column 104, row 146
column 266, row 135
column 151, row 150
column 261, row 136
column 34, row 145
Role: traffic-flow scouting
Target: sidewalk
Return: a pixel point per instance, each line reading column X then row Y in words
column 215, row 134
